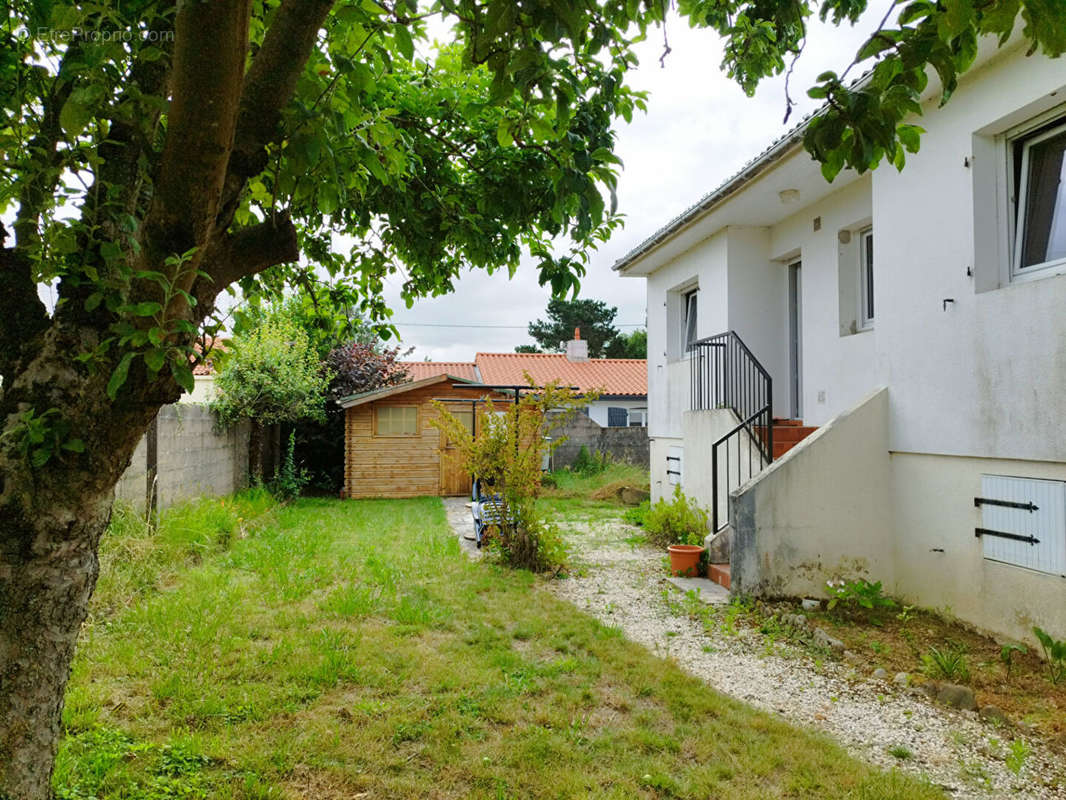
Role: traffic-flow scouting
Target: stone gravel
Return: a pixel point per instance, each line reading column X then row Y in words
column 624, row 585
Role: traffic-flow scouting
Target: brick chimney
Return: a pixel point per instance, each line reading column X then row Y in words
column 577, row 349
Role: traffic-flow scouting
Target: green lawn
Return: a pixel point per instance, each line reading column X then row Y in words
column 332, row 648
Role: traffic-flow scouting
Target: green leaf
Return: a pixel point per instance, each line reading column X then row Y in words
column 183, row 375
column 503, row 133
column 155, row 358
column 74, row 445
column 75, row 114
column 118, row 377
column 404, row 43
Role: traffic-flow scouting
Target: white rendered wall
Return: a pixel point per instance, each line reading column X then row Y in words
column 822, row 511
column 838, row 369
column 668, row 377
column 933, row 501
column 660, row 483
column 982, row 376
column 758, row 311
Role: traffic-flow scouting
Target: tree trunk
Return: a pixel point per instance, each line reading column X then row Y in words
column 48, row 569
column 51, row 519
column 256, row 447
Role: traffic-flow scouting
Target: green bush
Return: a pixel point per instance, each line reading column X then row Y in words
column 637, row 515
column 679, row 521
column 588, row 463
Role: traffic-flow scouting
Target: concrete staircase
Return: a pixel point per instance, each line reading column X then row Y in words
column 787, row 434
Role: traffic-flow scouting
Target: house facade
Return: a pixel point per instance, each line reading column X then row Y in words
column 912, row 324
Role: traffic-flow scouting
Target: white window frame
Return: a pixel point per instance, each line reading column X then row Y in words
column 689, row 298
column 866, row 280
column 1017, row 195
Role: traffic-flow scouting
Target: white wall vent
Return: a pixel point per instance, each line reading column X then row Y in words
column 673, row 464
column 1023, row 522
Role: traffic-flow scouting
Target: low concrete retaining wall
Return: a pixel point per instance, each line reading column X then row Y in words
column 193, row 458
column 823, row 510
column 621, row 444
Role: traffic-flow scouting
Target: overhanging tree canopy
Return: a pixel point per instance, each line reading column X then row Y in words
column 156, row 153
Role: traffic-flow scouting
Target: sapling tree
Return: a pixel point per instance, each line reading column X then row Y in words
column 153, row 153
column 270, row 375
column 506, row 452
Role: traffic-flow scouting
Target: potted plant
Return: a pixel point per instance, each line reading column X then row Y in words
column 685, row 559
column 681, row 525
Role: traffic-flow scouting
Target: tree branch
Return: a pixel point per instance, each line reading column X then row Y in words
column 22, row 314
column 246, row 252
column 210, row 43
column 268, row 88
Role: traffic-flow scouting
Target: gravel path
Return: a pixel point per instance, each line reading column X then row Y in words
column 625, row 586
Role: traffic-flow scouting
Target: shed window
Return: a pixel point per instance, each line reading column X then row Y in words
column 617, row 417
column 1039, row 172
column 396, row 421
column 1023, row 522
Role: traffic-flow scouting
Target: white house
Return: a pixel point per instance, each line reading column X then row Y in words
column 917, row 319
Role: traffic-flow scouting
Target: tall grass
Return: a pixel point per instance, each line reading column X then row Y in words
column 568, row 483
column 348, row 649
column 136, row 559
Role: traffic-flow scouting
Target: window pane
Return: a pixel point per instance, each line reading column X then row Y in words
column 1044, row 216
column 868, row 266
column 616, row 417
column 691, row 305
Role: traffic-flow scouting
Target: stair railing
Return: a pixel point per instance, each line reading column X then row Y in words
column 725, row 374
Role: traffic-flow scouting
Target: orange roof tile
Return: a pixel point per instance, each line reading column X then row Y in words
column 611, row 376
column 417, row 370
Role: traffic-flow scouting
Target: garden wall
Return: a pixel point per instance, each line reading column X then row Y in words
column 621, row 444
column 193, row 458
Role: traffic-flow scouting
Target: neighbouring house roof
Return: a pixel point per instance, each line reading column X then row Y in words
column 207, row 365
column 610, row 376
column 427, row 369
column 388, row 391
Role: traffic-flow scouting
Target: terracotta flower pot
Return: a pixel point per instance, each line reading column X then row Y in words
column 685, row 559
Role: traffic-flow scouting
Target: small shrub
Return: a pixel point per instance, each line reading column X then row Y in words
column 588, row 463
column 1019, row 752
column 857, row 594
column 290, row 480
column 900, row 752
column 1054, row 653
column 1007, row 651
column 679, row 521
column 949, row 663
column 637, row 515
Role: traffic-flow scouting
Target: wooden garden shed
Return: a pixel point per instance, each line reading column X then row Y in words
column 391, row 448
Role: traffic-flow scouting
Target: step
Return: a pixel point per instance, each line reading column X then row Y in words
column 792, row 433
column 719, row 573
column 787, row 422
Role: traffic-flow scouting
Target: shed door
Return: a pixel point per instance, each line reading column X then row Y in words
column 454, row 480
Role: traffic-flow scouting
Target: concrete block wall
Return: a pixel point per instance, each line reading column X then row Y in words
column 621, row 444
column 194, row 458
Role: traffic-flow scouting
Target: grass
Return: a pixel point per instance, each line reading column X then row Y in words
column 333, row 648
column 585, row 484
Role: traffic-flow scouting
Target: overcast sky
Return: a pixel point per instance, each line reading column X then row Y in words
column 700, row 128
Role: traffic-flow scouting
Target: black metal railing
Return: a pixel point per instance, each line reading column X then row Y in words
column 725, row 374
